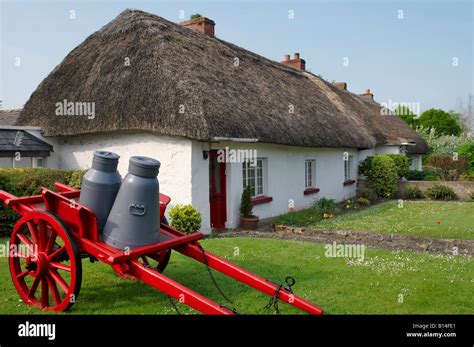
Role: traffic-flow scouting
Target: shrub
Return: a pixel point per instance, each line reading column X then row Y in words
column 441, row 192
column 431, row 178
column 467, row 150
column 413, row 193
column 365, row 166
column 415, row 176
column 383, row 176
column 246, row 206
column 185, row 218
column 367, row 193
column 402, row 164
column 363, row 201
column 422, row 176
column 448, row 167
column 326, row 206
column 470, row 196
column 25, row 182
column 468, row 175
column 195, row 16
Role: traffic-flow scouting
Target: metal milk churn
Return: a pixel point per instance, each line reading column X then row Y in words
column 100, row 185
column 135, row 217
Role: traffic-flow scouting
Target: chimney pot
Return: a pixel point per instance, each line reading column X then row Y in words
column 295, row 63
column 202, row 24
column 367, row 91
column 341, row 85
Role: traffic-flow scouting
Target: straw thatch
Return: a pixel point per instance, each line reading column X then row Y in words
column 175, row 69
column 9, row 117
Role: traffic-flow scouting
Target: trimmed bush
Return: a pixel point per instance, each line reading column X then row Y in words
column 413, row 193
column 326, row 206
column 467, row 150
column 383, row 176
column 185, row 218
column 441, row 192
column 402, row 164
column 365, row 166
column 26, row 182
column 422, row 176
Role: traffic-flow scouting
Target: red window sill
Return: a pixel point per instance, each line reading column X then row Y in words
column 309, row 191
column 261, row 200
column 349, row 182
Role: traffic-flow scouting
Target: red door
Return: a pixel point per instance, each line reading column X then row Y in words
column 217, row 191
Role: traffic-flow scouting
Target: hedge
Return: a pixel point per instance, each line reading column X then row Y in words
column 25, row 182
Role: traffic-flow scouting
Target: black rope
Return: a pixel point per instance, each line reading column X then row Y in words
column 212, row 276
column 290, row 282
column 173, row 305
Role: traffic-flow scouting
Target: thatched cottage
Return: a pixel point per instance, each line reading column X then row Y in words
column 142, row 85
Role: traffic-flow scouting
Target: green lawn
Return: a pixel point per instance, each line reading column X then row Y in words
column 428, row 283
column 456, row 219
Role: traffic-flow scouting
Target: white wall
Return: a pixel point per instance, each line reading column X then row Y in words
column 285, row 178
column 76, row 152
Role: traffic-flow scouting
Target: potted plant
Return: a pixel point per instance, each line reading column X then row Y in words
column 247, row 219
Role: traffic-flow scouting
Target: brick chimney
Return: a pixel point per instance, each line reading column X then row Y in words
column 340, row 85
column 201, row 24
column 368, row 95
column 295, row 63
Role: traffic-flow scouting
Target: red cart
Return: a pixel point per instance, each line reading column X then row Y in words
column 55, row 233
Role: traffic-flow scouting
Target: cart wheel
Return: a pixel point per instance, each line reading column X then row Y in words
column 157, row 261
column 45, row 263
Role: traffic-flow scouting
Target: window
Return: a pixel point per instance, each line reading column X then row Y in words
column 39, row 162
column 310, row 174
column 348, row 168
column 253, row 176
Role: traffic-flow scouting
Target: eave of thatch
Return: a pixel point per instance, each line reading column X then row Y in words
column 175, row 69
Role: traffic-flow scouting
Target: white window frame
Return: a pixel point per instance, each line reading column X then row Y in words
column 348, row 167
column 309, row 173
column 258, row 175
column 35, row 162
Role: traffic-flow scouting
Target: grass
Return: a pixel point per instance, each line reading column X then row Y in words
column 456, row 219
column 429, row 283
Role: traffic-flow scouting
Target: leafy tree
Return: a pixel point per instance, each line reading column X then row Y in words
column 443, row 122
column 407, row 115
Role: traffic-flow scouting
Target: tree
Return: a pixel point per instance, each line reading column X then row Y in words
column 407, row 115
column 443, row 122
column 448, row 167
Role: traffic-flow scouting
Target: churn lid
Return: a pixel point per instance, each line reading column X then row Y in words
column 105, row 161
column 144, row 166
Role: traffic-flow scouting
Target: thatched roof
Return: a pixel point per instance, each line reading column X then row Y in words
column 175, row 69
column 9, row 117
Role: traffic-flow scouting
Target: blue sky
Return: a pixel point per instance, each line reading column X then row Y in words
column 403, row 60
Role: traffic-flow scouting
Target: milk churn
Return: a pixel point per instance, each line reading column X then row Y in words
column 135, row 217
column 100, row 185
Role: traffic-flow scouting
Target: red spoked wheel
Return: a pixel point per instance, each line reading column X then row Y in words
column 45, row 262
